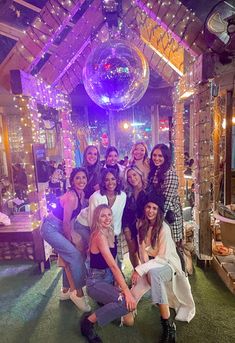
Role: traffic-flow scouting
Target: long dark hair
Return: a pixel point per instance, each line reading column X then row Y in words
column 74, row 173
column 145, row 224
column 104, row 173
column 110, row 149
column 85, row 164
column 166, row 152
column 93, row 171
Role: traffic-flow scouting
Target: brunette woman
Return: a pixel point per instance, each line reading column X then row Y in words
column 133, row 210
column 139, row 158
column 56, row 230
column 163, row 179
column 111, row 161
column 160, row 269
column 91, row 163
column 110, row 194
column 117, row 300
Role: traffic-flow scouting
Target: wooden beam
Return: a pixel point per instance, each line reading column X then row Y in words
column 28, row 85
column 155, row 61
column 228, row 149
column 179, row 22
column 38, row 39
column 71, row 62
column 28, row 5
column 75, row 46
column 10, row 31
column 65, row 20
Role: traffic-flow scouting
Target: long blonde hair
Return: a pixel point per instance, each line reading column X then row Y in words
column 96, row 217
column 146, row 158
column 96, row 227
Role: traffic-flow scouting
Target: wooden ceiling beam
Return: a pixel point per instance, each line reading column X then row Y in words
column 65, row 18
column 28, row 5
column 38, row 38
column 73, row 46
column 156, row 62
column 10, row 31
column 178, row 21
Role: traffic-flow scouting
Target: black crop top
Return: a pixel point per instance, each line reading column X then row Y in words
column 59, row 210
column 97, row 261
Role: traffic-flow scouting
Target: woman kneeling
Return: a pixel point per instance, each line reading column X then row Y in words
column 117, row 300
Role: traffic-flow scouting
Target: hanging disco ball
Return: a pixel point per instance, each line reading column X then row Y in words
column 116, row 75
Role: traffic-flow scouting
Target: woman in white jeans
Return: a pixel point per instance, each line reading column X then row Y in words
column 160, row 269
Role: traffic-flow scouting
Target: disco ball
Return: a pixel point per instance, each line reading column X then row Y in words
column 116, row 75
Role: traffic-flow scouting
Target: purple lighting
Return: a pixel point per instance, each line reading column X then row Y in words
column 153, row 16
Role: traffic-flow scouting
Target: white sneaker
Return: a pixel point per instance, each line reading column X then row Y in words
column 80, row 302
column 64, row 295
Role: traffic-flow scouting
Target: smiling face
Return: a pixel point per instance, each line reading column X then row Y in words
column 158, row 158
column 80, row 180
column 151, row 210
column 112, row 158
column 105, row 218
column 139, row 152
column 110, row 182
column 91, row 156
column 134, row 179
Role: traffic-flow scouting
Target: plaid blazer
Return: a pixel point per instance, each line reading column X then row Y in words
column 169, row 189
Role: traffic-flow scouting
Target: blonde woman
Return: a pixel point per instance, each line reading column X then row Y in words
column 117, row 300
column 133, row 210
column 139, row 158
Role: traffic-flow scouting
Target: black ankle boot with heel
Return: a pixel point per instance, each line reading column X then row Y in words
column 88, row 330
column 168, row 331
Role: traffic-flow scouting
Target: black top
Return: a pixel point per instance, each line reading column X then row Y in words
column 59, row 210
column 93, row 173
column 97, row 261
column 133, row 210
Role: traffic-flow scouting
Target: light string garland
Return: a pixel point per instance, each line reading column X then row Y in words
column 30, row 126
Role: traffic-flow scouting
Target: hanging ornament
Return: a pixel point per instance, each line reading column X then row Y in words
column 116, row 75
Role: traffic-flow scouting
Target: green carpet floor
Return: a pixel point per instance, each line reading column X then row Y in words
column 30, row 311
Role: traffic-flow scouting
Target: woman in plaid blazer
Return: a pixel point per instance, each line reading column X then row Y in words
column 163, row 179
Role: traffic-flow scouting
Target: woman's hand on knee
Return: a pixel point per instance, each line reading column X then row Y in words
column 130, row 300
column 134, row 278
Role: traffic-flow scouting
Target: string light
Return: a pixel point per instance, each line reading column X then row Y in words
column 29, row 125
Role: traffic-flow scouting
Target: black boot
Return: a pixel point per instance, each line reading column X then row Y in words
column 88, row 330
column 168, row 331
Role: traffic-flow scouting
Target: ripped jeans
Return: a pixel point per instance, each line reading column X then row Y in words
column 100, row 288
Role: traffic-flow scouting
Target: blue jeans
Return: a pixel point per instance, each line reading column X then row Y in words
column 52, row 232
column 84, row 232
column 100, row 288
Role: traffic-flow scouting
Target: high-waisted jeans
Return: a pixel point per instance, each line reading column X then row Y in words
column 100, row 288
column 52, row 232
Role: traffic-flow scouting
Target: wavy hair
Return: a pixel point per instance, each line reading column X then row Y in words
column 128, row 186
column 110, row 149
column 146, row 159
column 85, row 164
column 74, row 173
column 115, row 173
column 96, row 216
column 144, row 225
column 166, row 152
